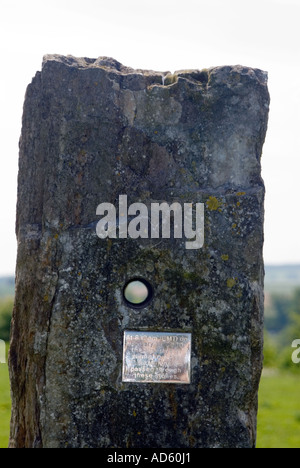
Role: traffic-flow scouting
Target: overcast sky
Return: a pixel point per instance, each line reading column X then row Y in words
column 162, row 35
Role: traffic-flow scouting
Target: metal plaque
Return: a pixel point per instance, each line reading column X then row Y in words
column 157, row 357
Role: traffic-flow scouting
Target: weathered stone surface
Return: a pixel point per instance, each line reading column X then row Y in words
column 93, row 130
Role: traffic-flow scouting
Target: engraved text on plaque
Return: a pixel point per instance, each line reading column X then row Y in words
column 157, row 357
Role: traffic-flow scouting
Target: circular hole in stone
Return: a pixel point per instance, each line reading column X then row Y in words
column 138, row 293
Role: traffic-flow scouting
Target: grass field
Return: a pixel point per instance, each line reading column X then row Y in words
column 279, row 410
column 278, row 418
column 4, row 406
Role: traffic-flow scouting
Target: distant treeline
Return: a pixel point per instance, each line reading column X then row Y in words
column 282, row 278
column 6, row 307
column 7, row 291
column 282, row 325
column 7, row 286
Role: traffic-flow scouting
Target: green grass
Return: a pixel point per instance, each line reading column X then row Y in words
column 5, row 406
column 279, row 410
column 278, row 417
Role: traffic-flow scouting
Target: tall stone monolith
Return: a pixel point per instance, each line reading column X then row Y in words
column 138, row 318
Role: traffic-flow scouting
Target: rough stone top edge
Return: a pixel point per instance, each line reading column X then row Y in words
column 107, row 63
column 112, row 65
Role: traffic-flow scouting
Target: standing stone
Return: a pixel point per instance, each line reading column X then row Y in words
column 94, row 130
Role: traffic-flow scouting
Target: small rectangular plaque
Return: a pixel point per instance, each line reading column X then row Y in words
column 157, row 357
